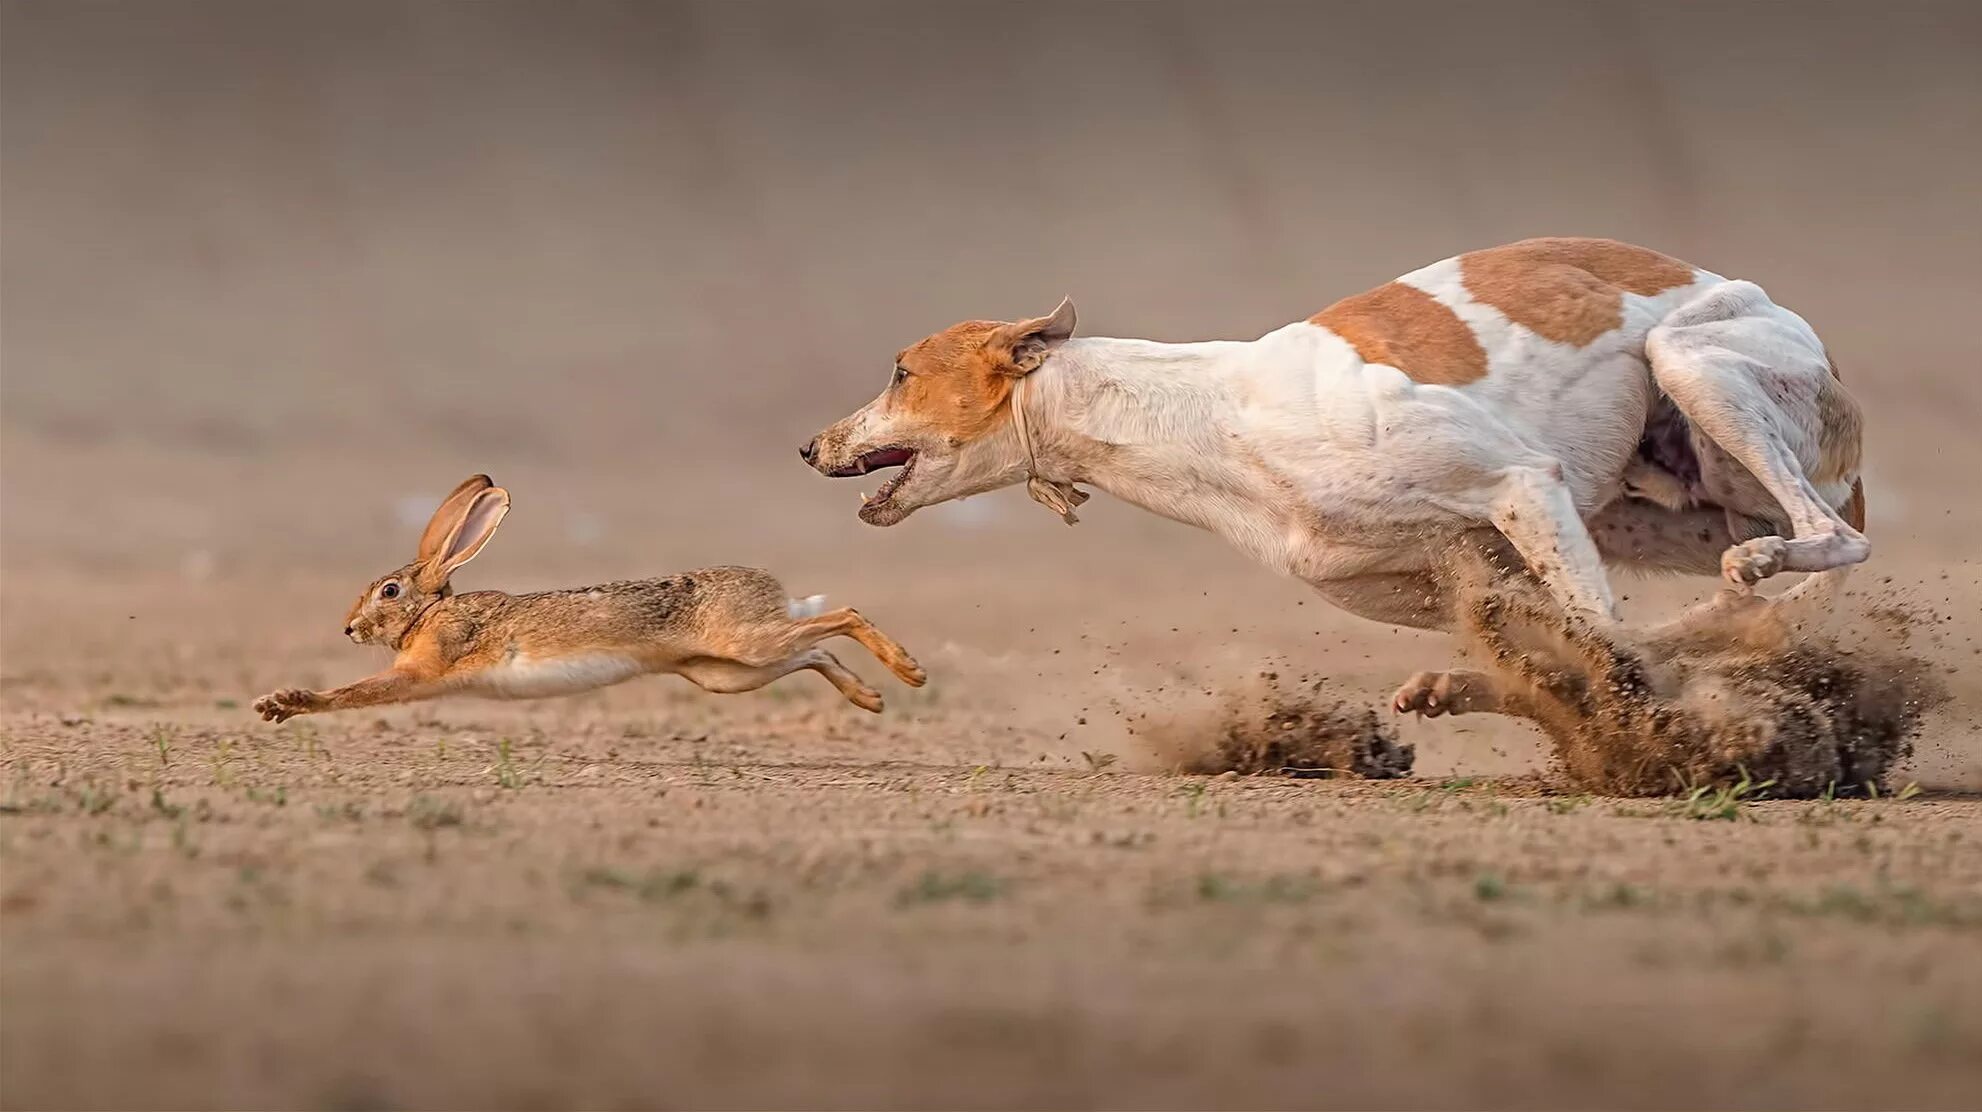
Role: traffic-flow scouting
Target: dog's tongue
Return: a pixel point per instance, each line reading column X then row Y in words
column 885, row 457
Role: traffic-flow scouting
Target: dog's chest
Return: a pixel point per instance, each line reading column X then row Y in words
column 522, row 676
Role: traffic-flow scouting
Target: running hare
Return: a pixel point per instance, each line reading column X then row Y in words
column 725, row 629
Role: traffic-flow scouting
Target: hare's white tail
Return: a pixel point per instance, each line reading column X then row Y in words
column 811, row 606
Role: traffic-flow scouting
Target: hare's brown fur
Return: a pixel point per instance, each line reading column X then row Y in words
column 726, row 629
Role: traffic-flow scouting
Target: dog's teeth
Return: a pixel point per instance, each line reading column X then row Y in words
column 863, row 498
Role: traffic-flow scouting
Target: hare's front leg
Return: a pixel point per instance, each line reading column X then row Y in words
column 387, row 687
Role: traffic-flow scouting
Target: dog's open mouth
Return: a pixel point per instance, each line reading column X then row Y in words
column 877, row 460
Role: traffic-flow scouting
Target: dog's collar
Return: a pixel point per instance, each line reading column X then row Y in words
column 1056, row 495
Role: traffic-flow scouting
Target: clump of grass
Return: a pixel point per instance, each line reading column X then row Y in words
column 1489, row 888
column 428, row 813
column 1193, row 793
column 161, row 743
column 970, row 886
column 1893, row 906
column 507, row 775
column 1619, row 896
column 1275, row 889
column 652, row 887
column 1706, row 803
column 182, row 839
column 1567, row 804
column 160, row 805
column 94, row 800
column 223, row 763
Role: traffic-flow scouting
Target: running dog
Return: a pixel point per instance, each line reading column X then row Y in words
column 1589, row 400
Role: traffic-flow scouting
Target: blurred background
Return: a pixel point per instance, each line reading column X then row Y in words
column 277, row 275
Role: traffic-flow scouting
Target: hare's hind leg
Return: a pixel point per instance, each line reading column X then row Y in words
column 840, row 676
column 726, row 676
column 847, row 622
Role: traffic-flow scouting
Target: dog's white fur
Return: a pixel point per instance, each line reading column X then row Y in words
column 1352, row 477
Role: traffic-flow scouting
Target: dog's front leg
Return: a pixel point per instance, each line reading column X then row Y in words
column 1533, row 508
column 1414, row 599
column 1458, row 691
column 1420, row 600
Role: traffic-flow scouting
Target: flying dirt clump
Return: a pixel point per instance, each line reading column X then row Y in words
column 1737, row 691
column 1292, row 731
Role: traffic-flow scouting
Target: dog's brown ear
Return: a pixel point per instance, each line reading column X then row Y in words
column 1021, row 347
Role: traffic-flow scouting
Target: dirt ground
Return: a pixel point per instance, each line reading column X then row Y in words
column 275, row 282
column 992, row 895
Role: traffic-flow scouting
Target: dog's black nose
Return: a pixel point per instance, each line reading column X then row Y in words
column 810, row 453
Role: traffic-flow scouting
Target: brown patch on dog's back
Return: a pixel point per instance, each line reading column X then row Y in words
column 1569, row 290
column 1406, row 328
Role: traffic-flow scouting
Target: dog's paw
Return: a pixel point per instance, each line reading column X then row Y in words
column 1433, row 694
column 1750, row 562
column 280, row 706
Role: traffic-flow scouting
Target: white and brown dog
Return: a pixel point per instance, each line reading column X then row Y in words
column 1590, row 400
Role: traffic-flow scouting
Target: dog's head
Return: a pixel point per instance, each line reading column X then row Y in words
column 942, row 416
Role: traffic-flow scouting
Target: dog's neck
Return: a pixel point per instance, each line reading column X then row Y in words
column 1148, row 423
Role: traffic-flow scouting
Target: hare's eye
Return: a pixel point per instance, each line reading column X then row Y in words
column 901, row 375
column 390, row 590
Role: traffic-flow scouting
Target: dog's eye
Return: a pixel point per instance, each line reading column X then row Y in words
column 390, row 590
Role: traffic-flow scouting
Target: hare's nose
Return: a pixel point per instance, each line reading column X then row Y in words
column 810, row 453
column 348, row 630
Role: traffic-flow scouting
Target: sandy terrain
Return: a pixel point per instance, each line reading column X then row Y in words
column 273, row 284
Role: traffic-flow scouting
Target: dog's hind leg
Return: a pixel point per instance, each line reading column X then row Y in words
column 1754, row 380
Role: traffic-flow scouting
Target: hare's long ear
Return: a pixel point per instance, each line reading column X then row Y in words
column 449, row 516
column 478, row 523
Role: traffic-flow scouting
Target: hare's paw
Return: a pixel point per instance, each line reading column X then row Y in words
column 866, row 698
column 910, row 672
column 279, row 706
